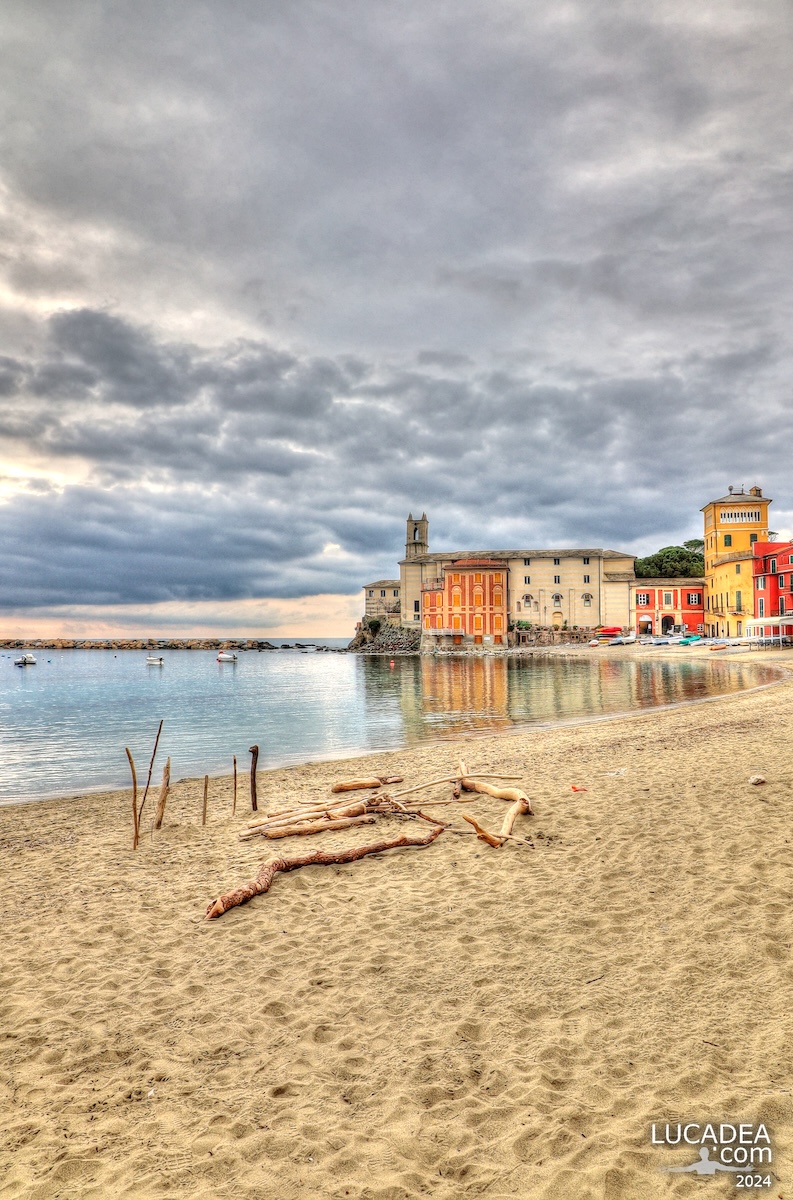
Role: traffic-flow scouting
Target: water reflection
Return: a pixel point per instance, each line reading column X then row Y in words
column 449, row 696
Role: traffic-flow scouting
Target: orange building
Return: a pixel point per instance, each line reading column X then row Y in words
column 468, row 600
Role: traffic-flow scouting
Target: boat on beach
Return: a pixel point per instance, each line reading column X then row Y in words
column 27, row 660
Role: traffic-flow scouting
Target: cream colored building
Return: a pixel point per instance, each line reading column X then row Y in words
column 586, row 587
column 381, row 599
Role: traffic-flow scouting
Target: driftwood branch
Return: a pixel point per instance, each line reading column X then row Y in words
column 518, row 809
column 159, row 812
column 482, row 834
column 486, row 789
column 268, row 870
column 308, row 827
column 135, row 824
column 376, row 781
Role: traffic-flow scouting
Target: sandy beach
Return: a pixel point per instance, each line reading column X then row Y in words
column 452, row 1021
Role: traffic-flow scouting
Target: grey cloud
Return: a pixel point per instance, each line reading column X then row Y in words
column 310, row 266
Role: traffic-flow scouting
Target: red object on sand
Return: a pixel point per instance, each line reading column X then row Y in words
column 577, row 789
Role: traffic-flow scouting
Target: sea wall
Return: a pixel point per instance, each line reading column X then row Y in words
column 137, row 644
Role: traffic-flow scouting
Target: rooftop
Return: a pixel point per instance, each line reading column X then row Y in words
column 381, row 583
column 501, row 555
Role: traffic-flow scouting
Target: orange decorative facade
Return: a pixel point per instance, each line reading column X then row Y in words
column 468, row 600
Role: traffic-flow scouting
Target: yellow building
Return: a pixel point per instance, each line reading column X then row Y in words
column 732, row 526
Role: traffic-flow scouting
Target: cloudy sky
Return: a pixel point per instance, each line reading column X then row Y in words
column 274, row 274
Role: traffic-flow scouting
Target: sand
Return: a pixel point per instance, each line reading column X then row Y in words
column 454, row 1021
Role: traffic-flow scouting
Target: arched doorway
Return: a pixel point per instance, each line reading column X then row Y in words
column 666, row 623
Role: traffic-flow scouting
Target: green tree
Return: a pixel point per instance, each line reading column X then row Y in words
column 670, row 561
column 695, row 545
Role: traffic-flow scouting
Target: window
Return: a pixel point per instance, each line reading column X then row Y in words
column 455, row 578
column 738, row 603
column 498, row 597
column 752, row 538
column 556, row 562
column 457, row 598
column 439, row 600
column 415, row 606
column 773, row 566
column 760, row 581
column 781, row 606
column 557, row 578
column 527, row 578
column 426, row 599
column 557, row 599
column 382, row 592
column 642, row 598
column 477, row 578
column 586, row 579
column 497, row 578
column 696, row 598
column 371, row 591
column 667, row 599
column 396, row 592
column 587, row 600
column 728, row 539
column 737, row 568
column 477, row 595
column 438, row 623
column 426, row 622
column 761, row 607
column 478, row 623
column 781, row 581
column 586, row 562
column 527, row 562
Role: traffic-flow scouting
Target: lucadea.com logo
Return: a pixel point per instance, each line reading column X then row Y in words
column 744, row 1149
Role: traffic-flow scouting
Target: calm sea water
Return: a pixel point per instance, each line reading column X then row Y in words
column 65, row 722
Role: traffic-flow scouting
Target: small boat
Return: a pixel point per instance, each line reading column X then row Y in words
column 27, row 660
column 226, row 656
column 154, row 660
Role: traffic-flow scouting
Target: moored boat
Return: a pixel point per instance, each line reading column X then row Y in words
column 27, row 660
column 226, row 656
column 154, row 660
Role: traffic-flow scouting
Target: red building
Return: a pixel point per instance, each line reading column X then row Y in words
column 469, row 602
column 772, row 568
column 660, row 605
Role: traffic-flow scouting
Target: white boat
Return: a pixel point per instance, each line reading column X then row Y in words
column 226, row 656
column 154, row 660
column 27, row 660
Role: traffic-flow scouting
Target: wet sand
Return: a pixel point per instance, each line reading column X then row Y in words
column 450, row 1021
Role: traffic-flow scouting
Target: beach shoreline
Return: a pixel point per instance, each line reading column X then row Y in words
column 439, row 1021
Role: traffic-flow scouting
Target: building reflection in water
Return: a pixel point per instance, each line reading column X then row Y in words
column 437, row 696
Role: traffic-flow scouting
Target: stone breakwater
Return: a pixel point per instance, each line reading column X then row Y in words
column 141, row 644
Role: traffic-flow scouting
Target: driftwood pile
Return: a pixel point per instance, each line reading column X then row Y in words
column 319, row 817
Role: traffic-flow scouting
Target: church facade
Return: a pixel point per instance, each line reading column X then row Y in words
column 474, row 596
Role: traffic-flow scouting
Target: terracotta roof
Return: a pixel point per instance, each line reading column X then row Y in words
column 737, row 498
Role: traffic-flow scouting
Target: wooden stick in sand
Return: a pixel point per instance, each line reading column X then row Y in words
column 159, row 812
column 254, row 752
column 206, row 789
column 134, row 799
column 234, row 801
column 151, row 768
column 268, row 870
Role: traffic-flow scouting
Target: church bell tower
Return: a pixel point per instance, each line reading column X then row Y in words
column 417, row 542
